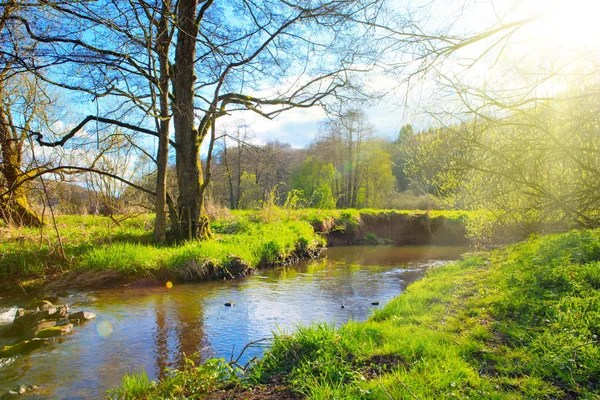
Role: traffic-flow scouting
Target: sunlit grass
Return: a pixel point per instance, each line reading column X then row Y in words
column 258, row 237
column 521, row 322
column 97, row 244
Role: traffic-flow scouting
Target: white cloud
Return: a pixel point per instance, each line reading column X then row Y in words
column 297, row 127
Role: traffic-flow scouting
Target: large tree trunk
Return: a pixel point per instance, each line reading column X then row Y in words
column 163, row 42
column 14, row 207
column 190, row 204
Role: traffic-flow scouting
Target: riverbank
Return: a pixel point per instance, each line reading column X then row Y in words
column 99, row 252
column 517, row 322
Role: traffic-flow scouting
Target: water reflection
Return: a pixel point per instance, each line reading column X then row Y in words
column 153, row 327
column 161, row 337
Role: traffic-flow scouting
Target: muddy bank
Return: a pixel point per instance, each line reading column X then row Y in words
column 394, row 228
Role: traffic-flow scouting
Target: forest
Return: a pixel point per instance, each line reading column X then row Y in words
column 287, row 199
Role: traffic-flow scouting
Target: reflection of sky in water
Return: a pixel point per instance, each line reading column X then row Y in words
column 150, row 328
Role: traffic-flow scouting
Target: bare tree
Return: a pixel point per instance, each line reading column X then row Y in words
column 116, row 52
column 345, row 137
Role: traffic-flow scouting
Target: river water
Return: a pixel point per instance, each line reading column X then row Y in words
column 150, row 328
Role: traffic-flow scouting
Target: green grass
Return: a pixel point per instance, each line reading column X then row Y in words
column 192, row 378
column 351, row 216
column 257, row 244
column 517, row 322
column 94, row 243
column 134, row 386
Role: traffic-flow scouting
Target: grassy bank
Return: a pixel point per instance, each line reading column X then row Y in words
column 98, row 250
column 518, row 322
column 96, row 246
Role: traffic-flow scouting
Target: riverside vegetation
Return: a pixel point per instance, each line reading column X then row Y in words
column 517, row 322
column 99, row 251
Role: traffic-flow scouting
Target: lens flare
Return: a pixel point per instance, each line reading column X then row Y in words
column 104, row 329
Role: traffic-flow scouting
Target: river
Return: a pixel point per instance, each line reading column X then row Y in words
column 150, row 328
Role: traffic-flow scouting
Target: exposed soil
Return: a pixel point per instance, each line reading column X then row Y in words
column 380, row 364
column 273, row 392
column 398, row 229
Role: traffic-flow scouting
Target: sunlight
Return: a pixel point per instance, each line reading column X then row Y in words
column 567, row 24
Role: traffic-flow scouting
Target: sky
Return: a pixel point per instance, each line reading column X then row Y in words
column 565, row 26
column 565, row 23
column 299, row 127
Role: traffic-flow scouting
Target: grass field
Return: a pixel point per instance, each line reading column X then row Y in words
column 517, row 322
column 93, row 243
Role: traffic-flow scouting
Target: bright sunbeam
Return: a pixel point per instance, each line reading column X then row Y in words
column 567, row 24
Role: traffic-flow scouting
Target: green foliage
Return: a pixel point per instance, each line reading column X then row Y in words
column 371, row 237
column 192, row 381
column 97, row 244
column 136, row 385
column 267, row 236
column 535, row 168
column 313, row 181
column 378, row 179
column 317, row 361
column 518, row 322
column 251, row 193
column 431, row 162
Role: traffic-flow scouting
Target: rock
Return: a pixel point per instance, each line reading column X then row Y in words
column 41, row 304
column 11, row 330
column 343, row 306
column 236, row 267
column 52, row 299
column 375, row 303
column 19, row 391
column 61, row 312
column 54, row 331
column 23, row 347
column 26, row 320
column 41, row 325
column 62, row 322
column 82, row 316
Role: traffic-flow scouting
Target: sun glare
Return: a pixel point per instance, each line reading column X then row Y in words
column 568, row 24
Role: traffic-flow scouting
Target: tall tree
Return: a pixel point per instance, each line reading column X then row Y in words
column 345, row 137
column 223, row 61
column 313, row 179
